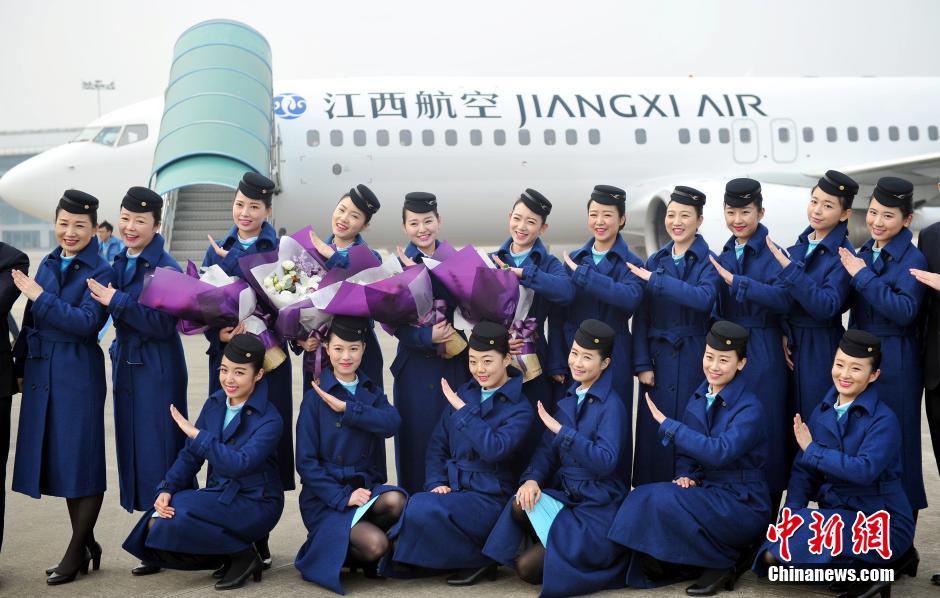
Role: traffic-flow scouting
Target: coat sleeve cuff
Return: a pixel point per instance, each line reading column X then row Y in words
column 791, row 274
column 739, row 286
column 118, row 303
column 862, row 278
column 812, row 455
column 461, row 417
column 529, row 272
column 42, row 304
column 200, row 444
column 580, row 275
column 564, row 438
column 667, row 430
column 352, row 414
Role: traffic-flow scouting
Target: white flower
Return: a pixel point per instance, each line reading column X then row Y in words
column 288, row 265
column 278, row 287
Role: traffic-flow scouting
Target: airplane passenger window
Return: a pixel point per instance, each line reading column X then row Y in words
column 684, row 136
column 745, row 135
column 524, row 137
column 807, row 134
column 913, row 133
column 549, row 137
column 933, row 133
column 313, row 138
column 571, row 136
column 640, row 136
column 107, row 135
column 499, row 137
column 594, row 136
column 893, row 133
column 336, row 138
column 873, row 133
column 852, row 133
column 704, row 136
column 404, row 137
column 427, row 137
column 724, row 135
column 831, row 134
column 450, row 137
column 783, row 134
column 359, row 137
column 133, row 134
column 381, row 137
column 476, row 137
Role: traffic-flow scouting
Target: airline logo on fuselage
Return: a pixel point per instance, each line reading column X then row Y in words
column 477, row 104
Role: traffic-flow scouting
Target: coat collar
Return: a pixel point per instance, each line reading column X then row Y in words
column 329, row 382
column 896, row 247
column 729, row 394
column 867, row 401
column 267, row 238
column 537, row 254
column 88, row 256
column 698, row 248
column 832, row 242
column 412, row 251
column 150, row 255
column 757, row 242
column 620, row 250
column 357, row 241
column 511, row 389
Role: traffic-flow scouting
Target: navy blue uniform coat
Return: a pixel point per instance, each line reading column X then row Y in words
column 280, row 392
column 728, row 509
column 471, row 452
column 669, row 339
column 148, row 374
column 335, row 457
column 757, row 301
column 885, row 301
column 585, row 466
column 243, row 497
column 60, row 444
column 852, row 465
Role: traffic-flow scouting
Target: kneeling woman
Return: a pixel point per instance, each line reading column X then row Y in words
column 582, row 463
column 344, row 421
column 237, row 433
column 849, row 464
column 469, row 465
column 718, row 505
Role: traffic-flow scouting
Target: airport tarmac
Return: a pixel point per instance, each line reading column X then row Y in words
column 37, row 532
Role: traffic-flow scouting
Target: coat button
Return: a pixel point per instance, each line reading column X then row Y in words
column 34, row 387
column 230, row 441
column 339, row 425
column 248, row 411
column 430, row 387
column 75, row 267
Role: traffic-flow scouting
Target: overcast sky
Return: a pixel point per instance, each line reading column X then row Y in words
column 49, row 46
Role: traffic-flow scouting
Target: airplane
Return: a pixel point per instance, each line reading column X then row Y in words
column 478, row 142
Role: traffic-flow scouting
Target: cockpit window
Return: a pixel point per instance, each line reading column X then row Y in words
column 87, row 134
column 107, row 135
column 133, row 134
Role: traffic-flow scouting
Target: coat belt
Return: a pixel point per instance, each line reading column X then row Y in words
column 811, row 323
column 880, row 488
column 756, row 321
column 577, row 474
column 734, row 475
column 677, row 334
column 888, row 329
column 233, row 486
column 35, row 338
column 455, row 466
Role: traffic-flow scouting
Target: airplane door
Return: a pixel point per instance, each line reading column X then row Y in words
column 783, row 139
column 744, row 139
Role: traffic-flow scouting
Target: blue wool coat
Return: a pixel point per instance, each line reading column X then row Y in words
column 818, row 285
column 709, row 524
column 852, row 465
column 280, row 392
column 545, row 275
column 335, row 457
column 885, row 301
column 417, row 371
column 757, row 301
column 148, row 374
column 243, row 497
column 608, row 292
column 585, row 466
column 669, row 339
column 471, row 452
column 60, row 443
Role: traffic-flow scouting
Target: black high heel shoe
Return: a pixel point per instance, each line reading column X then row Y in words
column 264, row 552
column 221, row 571
column 94, row 549
column 711, row 580
column 868, row 590
column 244, row 565
column 908, row 563
column 57, row 578
column 469, row 577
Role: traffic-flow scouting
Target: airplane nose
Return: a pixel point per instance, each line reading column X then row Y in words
column 27, row 187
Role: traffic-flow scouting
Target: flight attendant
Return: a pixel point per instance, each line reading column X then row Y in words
column 524, row 254
column 669, row 328
column 885, row 301
column 717, row 506
column 345, row 502
column 148, row 368
column 751, row 297
column 849, row 463
column 60, row 443
column 605, row 290
column 469, row 465
column 215, row 527
column 420, row 362
column 574, row 484
column 818, row 286
column 250, row 234
column 351, row 217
